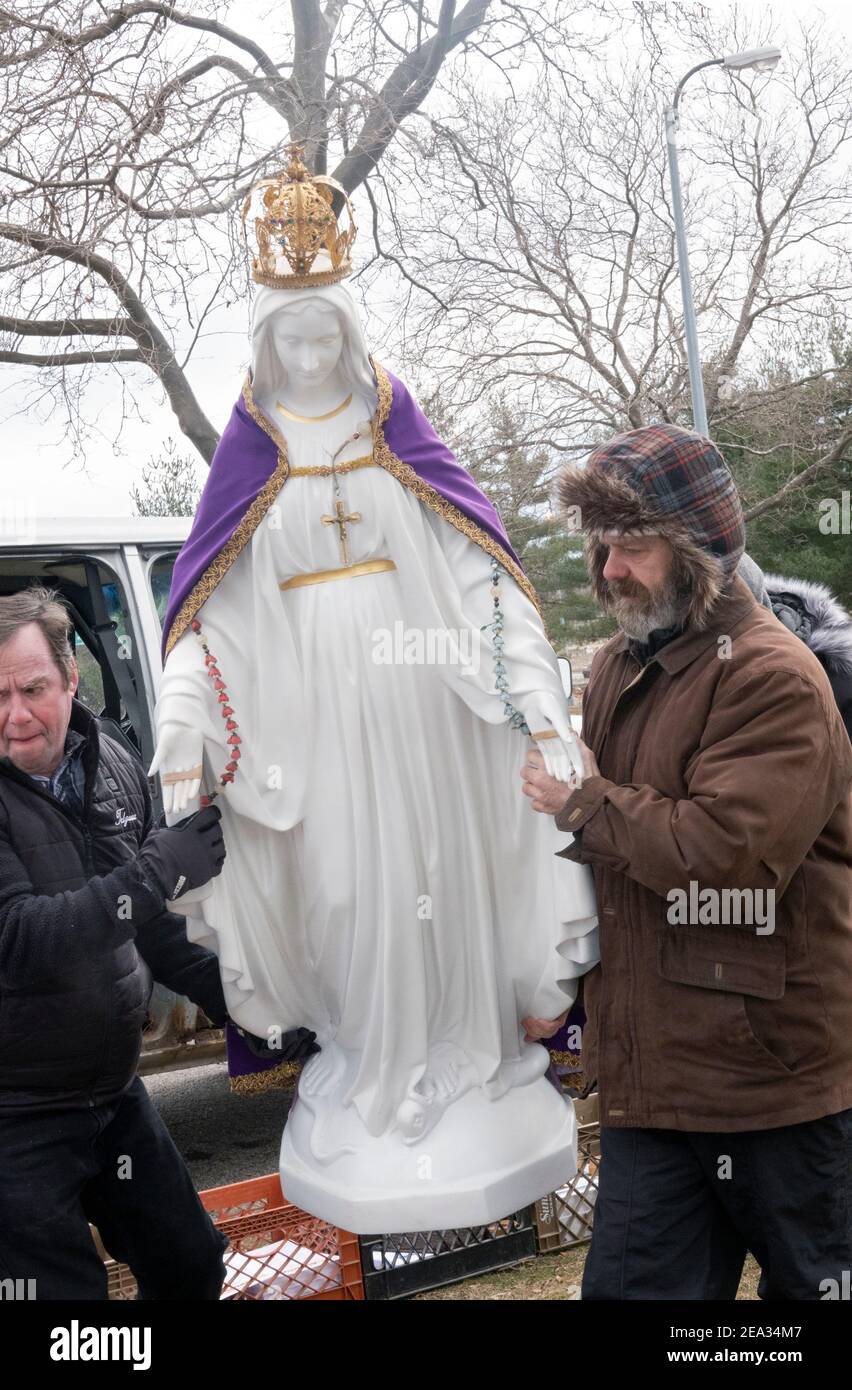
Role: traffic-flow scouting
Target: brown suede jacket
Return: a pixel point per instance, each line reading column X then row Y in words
column 720, row 834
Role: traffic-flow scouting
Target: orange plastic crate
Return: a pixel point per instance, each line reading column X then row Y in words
column 276, row 1251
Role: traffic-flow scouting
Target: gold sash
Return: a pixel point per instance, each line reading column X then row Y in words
column 347, row 572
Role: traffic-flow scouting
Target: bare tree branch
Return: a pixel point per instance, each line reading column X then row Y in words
column 406, row 88
column 829, row 460
column 154, row 348
column 66, row 328
column 69, row 359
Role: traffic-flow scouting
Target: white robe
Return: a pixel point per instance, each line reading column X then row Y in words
column 386, row 882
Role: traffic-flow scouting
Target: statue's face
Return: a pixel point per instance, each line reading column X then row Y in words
column 309, row 341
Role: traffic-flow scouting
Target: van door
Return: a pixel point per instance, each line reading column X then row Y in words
column 94, row 587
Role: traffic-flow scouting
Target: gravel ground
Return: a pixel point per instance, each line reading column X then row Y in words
column 223, row 1138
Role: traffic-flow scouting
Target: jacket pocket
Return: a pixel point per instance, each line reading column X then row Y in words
column 732, row 959
column 745, row 973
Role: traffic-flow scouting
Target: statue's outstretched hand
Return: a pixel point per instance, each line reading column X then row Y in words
column 178, row 757
column 547, row 715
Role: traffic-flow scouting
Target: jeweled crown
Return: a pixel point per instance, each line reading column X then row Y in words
column 296, row 228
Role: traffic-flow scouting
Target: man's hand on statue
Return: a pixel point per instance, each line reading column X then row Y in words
column 294, row 1046
column 548, row 794
column 178, row 760
column 538, row 1028
column 184, row 856
column 550, row 730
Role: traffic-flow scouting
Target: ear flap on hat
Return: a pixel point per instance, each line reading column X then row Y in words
column 597, row 503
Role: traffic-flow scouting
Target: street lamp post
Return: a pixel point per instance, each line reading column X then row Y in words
column 762, row 59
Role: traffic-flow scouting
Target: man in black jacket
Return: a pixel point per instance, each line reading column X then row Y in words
column 814, row 614
column 84, row 880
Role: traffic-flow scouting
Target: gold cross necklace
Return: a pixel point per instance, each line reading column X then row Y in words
column 340, row 519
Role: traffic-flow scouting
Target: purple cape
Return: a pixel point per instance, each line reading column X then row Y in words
column 247, row 456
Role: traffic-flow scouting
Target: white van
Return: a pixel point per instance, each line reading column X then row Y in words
column 114, row 576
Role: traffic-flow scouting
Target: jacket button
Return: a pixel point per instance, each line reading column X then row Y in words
column 608, row 911
column 575, row 815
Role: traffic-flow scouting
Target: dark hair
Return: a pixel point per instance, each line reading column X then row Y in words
column 41, row 606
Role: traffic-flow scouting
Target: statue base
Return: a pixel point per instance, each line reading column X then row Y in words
column 478, row 1161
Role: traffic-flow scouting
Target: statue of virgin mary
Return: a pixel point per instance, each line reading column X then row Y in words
column 355, row 664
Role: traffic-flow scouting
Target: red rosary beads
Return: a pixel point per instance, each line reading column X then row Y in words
column 227, row 713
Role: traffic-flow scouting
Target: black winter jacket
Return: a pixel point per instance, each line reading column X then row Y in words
column 814, row 614
column 82, row 933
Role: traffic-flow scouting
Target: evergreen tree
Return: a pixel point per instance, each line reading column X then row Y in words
column 768, row 436
column 170, row 485
column 517, row 476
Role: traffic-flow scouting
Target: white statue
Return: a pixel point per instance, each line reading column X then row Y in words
column 353, row 652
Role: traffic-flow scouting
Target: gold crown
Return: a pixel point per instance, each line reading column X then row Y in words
column 294, row 223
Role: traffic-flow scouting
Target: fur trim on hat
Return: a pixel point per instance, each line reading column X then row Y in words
column 607, row 504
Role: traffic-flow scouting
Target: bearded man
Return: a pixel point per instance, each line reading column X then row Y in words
column 715, row 813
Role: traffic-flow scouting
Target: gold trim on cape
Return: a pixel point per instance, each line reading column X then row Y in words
column 280, row 1077
column 573, row 1060
column 387, row 459
column 260, row 419
column 434, row 500
column 222, row 562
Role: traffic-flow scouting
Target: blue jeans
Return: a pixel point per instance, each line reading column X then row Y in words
column 113, row 1165
column 677, row 1212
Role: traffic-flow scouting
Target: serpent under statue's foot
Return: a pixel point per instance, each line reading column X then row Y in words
column 448, row 1075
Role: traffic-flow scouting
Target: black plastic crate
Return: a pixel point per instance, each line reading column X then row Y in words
column 397, row 1266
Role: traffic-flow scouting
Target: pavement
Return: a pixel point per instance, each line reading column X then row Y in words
column 222, row 1137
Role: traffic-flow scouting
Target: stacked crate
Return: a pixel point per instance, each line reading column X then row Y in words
column 276, row 1252
column 566, row 1217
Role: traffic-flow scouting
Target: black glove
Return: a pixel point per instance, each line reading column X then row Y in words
column 295, row 1045
column 186, row 855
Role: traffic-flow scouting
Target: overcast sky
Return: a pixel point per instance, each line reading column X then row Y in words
column 38, row 476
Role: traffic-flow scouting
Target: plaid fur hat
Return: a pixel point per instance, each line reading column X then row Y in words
column 665, row 481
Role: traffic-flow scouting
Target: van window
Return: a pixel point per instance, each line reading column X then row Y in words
column 160, row 575
column 91, row 688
